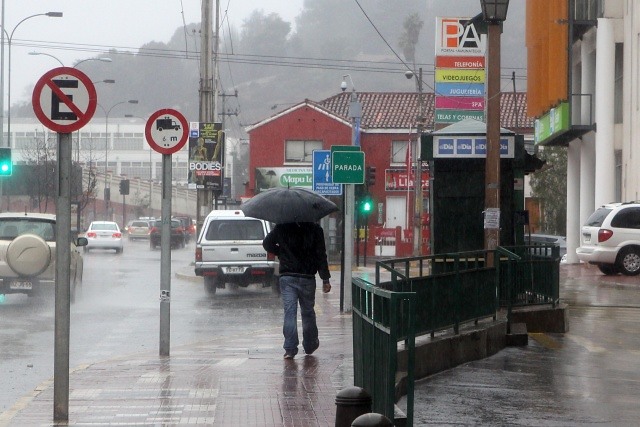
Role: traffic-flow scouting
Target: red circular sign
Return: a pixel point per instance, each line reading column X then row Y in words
column 64, row 99
column 166, row 131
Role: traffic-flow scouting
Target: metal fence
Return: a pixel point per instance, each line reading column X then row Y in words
column 435, row 293
column 451, row 288
column 381, row 319
column 530, row 276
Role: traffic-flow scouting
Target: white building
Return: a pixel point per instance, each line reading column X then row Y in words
column 587, row 98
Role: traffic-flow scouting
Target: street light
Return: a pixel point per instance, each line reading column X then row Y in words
column 101, row 59
column 417, row 181
column 150, row 166
column 49, row 55
column 106, row 147
column 9, row 37
column 494, row 12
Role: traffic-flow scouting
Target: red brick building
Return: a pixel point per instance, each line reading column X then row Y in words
column 281, row 149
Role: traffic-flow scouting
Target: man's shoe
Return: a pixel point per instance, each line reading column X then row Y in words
column 289, row 355
column 312, row 349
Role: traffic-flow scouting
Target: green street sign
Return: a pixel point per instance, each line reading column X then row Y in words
column 347, row 167
column 335, row 148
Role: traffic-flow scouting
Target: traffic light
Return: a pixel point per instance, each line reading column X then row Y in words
column 366, row 205
column 124, row 187
column 370, row 176
column 6, row 166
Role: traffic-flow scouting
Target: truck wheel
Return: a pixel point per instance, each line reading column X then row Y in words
column 210, row 285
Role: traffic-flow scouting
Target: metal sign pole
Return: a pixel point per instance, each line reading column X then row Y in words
column 165, row 257
column 62, row 288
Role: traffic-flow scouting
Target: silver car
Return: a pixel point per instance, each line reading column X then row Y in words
column 104, row 235
column 138, row 229
column 28, row 254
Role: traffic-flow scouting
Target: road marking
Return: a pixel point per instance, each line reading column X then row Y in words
column 545, row 341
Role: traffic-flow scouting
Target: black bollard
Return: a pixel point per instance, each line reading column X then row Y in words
column 351, row 403
column 372, row 420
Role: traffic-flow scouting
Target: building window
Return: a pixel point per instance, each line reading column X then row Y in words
column 300, row 151
column 399, row 152
column 619, row 73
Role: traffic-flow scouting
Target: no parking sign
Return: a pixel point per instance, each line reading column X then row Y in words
column 64, row 99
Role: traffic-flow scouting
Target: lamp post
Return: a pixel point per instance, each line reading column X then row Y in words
column 417, row 181
column 348, row 200
column 101, row 59
column 494, row 12
column 150, row 166
column 106, row 149
column 9, row 37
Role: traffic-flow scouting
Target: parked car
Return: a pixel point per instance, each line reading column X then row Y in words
column 138, row 229
column 549, row 239
column 104, row 235
column 177, row 234
column 229, row 250
column 28, row 254
column 611, row 239
column 189, row 227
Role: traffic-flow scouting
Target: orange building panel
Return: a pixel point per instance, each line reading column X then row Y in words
column 547, row 55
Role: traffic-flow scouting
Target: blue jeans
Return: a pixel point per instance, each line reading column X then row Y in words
column 296, row 290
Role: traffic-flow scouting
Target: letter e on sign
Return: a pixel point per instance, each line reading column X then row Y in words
column 64, row 99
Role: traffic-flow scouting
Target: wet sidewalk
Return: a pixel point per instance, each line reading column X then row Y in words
column 243, row 381
column 587, row 376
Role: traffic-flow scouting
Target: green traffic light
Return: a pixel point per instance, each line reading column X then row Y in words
column 366, row 206
column 6, row 165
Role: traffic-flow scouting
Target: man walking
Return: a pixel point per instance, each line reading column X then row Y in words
column 301, row 250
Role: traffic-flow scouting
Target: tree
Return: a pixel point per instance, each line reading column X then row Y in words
column 40, row 156
column 40, row 153
column 409, row 38
column 549, row 185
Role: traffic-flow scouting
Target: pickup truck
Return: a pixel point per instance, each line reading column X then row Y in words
column 229, row 251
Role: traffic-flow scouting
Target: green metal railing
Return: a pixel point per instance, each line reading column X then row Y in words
column 451, row 288
column 381, row 319
column 533, row 278
column 434, row 293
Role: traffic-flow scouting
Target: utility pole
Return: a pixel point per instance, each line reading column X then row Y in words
column 206, row 95
column 224, row 112
column 417, row 181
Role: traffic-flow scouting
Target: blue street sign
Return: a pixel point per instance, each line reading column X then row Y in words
column 322, row 180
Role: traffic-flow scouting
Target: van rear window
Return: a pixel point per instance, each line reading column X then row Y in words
column 597, row 218
column 221, row 229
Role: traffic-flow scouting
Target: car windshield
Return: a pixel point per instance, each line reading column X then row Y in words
column 597, row 218
column 140, row 224
column 11, row 228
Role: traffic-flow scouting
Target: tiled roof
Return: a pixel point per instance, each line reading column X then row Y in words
column 399, row 110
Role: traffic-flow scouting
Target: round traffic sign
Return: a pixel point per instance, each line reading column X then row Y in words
column 64, row 99
column 166, row 131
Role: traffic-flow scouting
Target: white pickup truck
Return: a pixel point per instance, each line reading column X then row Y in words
column 229, row 250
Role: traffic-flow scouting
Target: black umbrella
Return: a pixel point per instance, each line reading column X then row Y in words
column 282, row 205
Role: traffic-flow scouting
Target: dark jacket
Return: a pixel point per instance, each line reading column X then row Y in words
column 300, row 249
